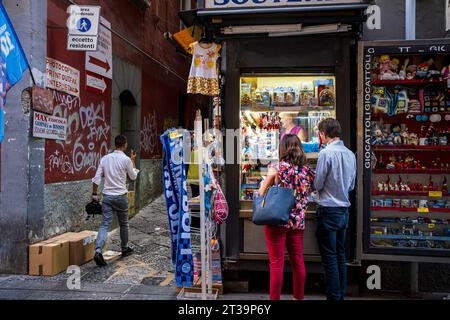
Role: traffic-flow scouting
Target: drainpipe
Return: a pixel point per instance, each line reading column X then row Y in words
column 410, row 19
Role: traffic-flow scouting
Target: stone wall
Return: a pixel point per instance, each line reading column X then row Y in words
column 150, row 184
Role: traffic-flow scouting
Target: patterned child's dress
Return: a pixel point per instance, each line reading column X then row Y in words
column 204, row 78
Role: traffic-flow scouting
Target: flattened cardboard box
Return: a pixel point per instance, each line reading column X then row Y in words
column 49, row 258
column 82, row 246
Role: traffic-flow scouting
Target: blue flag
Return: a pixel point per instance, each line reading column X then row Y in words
column 13, row 62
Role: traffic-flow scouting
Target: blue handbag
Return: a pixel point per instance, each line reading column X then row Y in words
column 274, row 207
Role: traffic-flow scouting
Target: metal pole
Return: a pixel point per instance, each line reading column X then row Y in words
column 201, row 183
column 410, row 19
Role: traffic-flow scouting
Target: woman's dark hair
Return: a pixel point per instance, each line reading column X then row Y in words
column 291, row 150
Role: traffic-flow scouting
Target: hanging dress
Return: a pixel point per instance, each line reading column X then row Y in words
column 204, row 77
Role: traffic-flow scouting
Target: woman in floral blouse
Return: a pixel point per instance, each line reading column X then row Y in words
column 292, row 173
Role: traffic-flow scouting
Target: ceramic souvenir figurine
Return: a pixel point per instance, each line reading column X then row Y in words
column 391, row 186
column 380, row 186
column 445, row 185
column 386, row 187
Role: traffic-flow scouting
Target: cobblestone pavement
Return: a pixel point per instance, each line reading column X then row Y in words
column 147, row 274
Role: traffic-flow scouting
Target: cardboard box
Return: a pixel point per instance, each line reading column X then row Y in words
column 82, row 246
column 48, row 258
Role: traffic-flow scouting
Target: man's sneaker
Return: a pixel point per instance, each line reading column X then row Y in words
column 99, row 260
column 129, row 251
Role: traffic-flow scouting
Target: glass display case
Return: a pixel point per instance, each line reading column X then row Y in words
column 407, row 151
column 272, row 106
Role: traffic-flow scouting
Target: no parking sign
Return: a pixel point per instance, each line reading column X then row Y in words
column 83, row 25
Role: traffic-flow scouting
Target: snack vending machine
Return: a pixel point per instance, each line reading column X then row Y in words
column 404, row 150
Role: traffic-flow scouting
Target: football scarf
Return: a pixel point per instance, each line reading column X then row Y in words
column 176, row 195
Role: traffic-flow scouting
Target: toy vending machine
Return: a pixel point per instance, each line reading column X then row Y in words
column 405, row 121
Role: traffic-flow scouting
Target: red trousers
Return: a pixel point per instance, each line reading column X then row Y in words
column 277, row 238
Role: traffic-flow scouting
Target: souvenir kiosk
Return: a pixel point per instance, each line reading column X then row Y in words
column 286, row 62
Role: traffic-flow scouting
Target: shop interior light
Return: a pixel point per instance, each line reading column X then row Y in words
column 328, row 28
column 262, row 29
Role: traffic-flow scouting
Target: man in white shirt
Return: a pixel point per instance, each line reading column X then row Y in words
column 114, row 167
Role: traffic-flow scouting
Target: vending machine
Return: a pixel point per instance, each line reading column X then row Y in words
column 404, row 151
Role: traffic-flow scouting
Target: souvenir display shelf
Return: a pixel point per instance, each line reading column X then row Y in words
column 407, row 208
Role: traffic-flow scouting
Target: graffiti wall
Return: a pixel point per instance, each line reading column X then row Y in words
column 88, row 137
column 89, row 121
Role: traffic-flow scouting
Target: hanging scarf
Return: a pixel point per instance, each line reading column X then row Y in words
column 175, row 192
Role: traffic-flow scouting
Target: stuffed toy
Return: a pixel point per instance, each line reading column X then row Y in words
column 395, row 133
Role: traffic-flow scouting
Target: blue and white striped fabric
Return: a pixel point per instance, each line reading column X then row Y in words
column 175, row 191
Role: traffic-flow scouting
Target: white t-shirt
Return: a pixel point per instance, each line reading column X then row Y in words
column 115, row 167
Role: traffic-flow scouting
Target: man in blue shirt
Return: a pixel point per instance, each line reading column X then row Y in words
column 335, row 178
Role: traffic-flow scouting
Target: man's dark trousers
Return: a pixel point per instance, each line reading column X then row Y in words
column 332, row 225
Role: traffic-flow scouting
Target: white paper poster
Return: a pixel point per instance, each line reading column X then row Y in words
column 62, row 77
column 49, row 127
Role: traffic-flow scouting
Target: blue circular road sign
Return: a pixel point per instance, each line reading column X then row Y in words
column 84, row 25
